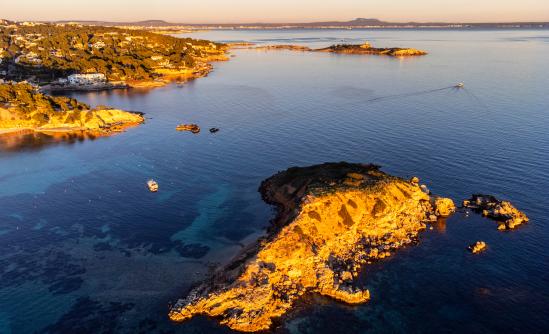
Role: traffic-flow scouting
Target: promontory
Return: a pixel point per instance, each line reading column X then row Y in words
column 24, row 108
column 332, row 220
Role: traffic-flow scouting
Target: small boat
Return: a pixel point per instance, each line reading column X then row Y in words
column 460, row 85
column 214, row 130
column 153, row 185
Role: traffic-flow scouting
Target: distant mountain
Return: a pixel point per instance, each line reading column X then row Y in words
column 356, row 23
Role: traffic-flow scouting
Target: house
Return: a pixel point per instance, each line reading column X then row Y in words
column 87, row 79
column 98, row 45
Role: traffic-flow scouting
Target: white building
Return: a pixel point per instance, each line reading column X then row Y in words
column 87, row 79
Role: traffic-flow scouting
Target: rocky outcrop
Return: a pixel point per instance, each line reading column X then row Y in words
column 332, row 219
column 23, row 108
column 477, row 247
column 103, row 121
column 194, row 128
column 501, row 211
column 363, row 49
column 444, row 207
column 368, row 49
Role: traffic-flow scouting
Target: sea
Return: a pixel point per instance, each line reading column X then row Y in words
column 86, row 248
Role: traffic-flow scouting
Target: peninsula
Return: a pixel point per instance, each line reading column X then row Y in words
column 74, row 56
column 23, row 108
column 332, row 220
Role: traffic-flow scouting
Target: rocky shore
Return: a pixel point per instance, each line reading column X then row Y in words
column 23, row 108
column 332, row 220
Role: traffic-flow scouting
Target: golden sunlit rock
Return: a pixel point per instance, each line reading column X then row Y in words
column 332, row 220
column 477, row 247
column 444, row 207
column 98, row 121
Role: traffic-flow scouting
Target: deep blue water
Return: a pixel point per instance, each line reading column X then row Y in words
column 84, row 247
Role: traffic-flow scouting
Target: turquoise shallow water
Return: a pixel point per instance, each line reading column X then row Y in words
column 84, row 247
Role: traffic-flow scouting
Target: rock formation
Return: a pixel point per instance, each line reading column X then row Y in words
column 23, row 108
column 368, row 49
column 332, row 220
column 444, row 207
column 364, row 49
column 502, row 211
column 194, row 128
column 477, row 247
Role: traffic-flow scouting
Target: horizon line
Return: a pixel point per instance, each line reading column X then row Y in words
column 278, row 23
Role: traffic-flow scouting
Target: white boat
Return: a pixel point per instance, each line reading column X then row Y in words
column 460, row 85
column 153, row 185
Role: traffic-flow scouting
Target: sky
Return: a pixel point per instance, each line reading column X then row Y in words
column 246, row 11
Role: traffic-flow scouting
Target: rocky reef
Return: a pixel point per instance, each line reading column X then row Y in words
column 332, row 219
column 501, row 211
column 194, row 128
column 477, row 247
column 24, row 108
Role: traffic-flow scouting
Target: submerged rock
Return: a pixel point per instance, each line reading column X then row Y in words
column 188, row 127
column 477, row 247
column 502, row 211
column 332, row 219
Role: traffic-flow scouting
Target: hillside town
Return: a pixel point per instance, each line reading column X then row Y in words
column 67, row 55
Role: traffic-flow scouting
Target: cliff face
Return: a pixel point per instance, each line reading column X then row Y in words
column 332, row 219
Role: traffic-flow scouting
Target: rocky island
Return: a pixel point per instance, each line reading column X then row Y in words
column 361, row 49
column 24, row 108
column 73, row 56
column 366, row 48
column 332, row 219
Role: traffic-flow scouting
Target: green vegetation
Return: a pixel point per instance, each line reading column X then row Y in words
column 24, row 99
column 45, row 52
column 22, row 106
